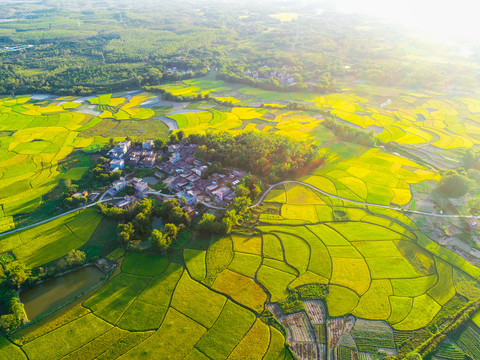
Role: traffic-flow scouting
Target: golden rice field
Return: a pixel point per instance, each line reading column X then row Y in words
column 376, row 262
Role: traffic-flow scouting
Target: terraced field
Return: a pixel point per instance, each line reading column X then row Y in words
column 36, row 135
column 156, row 310
column 375, row 262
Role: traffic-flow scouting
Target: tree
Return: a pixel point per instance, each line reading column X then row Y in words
column 474, row 206
column 175, row 215
column 413, row 356
column 207, row 224
column 8, row 322
column 159, row 241
column 154, row 76
column 255, row 192
column 141, row 223
column 240, row 205
column 102, row 160
column 173, row 139
column 170, row 231
column 242, row 190
column 17, row 273
column 230, row 219
column 454, row 184
column 474, row 175
column 125, row 232
column 469, row 159
column 75, row 257
column 160, row 143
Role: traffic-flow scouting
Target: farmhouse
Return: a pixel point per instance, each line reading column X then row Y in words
column 134, row 159
column 116, row 154
column 211, row 189
column 117, row 164
column 221, row 193
column 147, row 145
column 124, row 146
column 148, row 162
column 189, row 196
column 174, row 158
column 125, row 203
column 119, row 185
column 140, row 186
column 120, row 150
column 200, row 170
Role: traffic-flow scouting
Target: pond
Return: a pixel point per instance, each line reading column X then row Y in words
column 52, row 293
column 150, row 180
column 157, row 223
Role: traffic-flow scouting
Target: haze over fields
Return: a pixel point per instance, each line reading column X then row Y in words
column 239, row 180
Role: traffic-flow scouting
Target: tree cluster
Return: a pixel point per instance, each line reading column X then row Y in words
column 456, row 183
column 350, row 133
column 161, row 240
column 13, row 274
column 224, row 223
column 270, row 156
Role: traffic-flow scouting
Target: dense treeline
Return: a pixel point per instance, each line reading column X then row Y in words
column 350, row 133
column 270, row 156
column 137, row 222
column 126, row 46
column 456, row 183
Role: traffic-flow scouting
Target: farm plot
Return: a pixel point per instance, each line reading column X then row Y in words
column 254, row 344
column 44, row 243
column 151, row 305
column 144, row 264
column 112, row 300
column 177, row 336
column 196, row 263
column 38, row 138
column 372, row 335
column 10, row 351
column 374, row 269
column 246, row 291
column 190, row 297
column 247, row 264
column 468, row 340
column 374, row 177
column 222, row 338
column 67, row 338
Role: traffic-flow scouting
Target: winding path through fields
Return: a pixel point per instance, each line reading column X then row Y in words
column 397, row 208
column 59, row 216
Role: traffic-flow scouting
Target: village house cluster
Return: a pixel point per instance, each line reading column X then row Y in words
column 283, row 78
column 125, row 154
column 140, row 186
column 187, row 177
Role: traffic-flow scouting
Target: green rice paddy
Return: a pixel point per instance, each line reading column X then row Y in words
column 206, row 302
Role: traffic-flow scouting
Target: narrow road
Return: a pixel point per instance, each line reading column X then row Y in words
column 172, row 196
column 396, row 208
column 59, row 216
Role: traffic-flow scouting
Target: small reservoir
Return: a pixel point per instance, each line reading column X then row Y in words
column 52, row 293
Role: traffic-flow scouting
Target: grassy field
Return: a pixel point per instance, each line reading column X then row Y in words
column 44, row 243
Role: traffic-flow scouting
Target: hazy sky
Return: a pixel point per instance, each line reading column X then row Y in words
column 441, row 17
